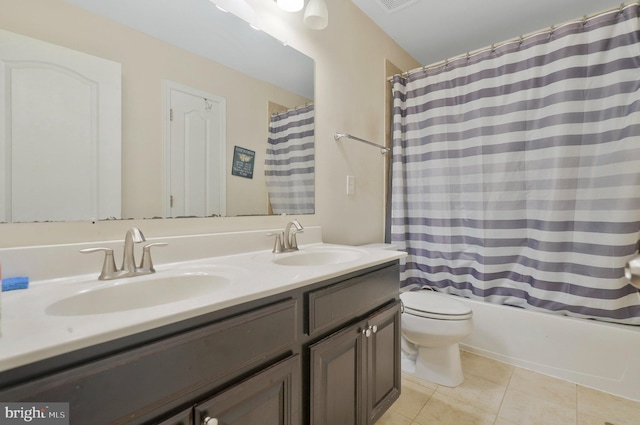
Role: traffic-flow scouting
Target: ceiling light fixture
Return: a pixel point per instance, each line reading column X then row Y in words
column 290, row 5
column 316, row 15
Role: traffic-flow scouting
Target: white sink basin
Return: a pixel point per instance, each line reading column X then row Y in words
column 318, row 257
column 123, row 295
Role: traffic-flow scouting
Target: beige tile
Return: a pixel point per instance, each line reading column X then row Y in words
column 489, row 369
column 544, row 387
column 412, row 398
column 596, row 407
column 500, row 421
column 393, row 418
column 477, row 392
column 522, row 408
column 444, row 410
column 584, row 419
column 411, row 378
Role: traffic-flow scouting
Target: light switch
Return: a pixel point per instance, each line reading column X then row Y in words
column 351, row 185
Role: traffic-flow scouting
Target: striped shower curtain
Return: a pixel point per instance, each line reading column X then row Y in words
column 290, row 164
column 516, row 171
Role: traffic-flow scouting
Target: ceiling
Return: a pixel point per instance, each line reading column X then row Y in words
column 199, row 27
column 435, row 30
column 430, row 30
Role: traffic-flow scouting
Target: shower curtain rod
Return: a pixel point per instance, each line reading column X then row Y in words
column 293, row 109
column 520, row 39
column 337, row 136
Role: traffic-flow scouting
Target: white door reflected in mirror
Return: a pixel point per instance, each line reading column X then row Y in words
column 60, row 135
column 195, row 151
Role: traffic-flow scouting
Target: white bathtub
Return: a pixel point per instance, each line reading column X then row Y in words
column 594, row 354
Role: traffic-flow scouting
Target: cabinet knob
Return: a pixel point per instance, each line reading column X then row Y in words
column 367, row 332
column 209, row 421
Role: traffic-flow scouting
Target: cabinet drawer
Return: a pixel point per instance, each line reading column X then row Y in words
column 144, row 382
column 336, row 304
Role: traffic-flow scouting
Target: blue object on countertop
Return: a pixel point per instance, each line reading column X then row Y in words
column 12, row 283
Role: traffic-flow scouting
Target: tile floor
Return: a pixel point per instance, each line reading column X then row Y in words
column 496, row 393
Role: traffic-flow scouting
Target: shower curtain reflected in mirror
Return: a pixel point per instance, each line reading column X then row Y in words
column 516, row 171
column 290, row 162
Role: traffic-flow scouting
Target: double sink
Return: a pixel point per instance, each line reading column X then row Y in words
column 181, row 282
column 198, row 275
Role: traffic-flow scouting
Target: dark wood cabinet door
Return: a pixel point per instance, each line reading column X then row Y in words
column 338, row 377
column 271, row 397
column 383, row 361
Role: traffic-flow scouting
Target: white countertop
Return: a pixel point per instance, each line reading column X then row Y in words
column 30, row 334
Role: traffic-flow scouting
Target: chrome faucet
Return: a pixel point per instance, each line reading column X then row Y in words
column 133, row 235
column 286, row 241
column 290, row 230
column 129, row 268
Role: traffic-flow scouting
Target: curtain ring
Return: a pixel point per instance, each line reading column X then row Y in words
column 493, row 47
column 552, row 28
column 446, row 63
column 520, row 40
column 621, row 9
column 584, row 20
column 469, row 56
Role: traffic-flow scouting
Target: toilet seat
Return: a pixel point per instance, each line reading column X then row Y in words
column 432, row 305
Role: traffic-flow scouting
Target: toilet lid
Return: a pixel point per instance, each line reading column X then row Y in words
column 434, row 305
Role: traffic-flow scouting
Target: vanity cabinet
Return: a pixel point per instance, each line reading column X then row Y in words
column 323, row 354
column 136, row 385
column 355, row 372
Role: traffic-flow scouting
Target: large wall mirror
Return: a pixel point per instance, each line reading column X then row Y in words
column 259, row 91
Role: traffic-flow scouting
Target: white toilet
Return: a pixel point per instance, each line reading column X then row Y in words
column 432, row 326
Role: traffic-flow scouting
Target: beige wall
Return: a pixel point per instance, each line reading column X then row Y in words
column 350, row 90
